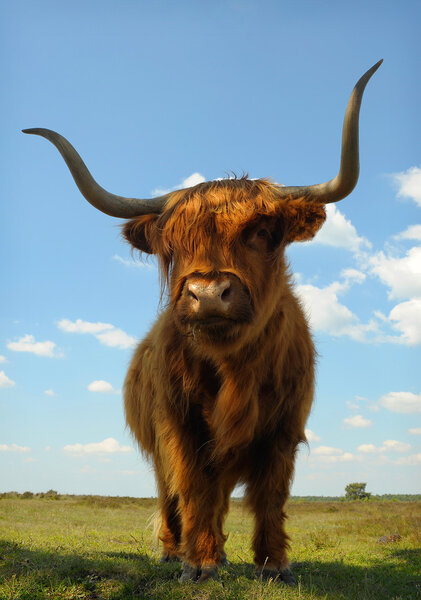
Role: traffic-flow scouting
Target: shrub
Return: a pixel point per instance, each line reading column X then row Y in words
column 356, row 491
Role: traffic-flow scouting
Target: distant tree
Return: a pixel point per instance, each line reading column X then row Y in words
column 27, row 495
column 356, row 491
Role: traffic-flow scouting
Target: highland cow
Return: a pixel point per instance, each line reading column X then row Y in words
column 219, row 391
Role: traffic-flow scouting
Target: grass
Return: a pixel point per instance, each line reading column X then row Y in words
column 94, row 548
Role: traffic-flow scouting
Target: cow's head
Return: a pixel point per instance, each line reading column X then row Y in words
column 220, row 244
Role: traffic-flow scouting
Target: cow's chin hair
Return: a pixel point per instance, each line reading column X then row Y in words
column 214, row 333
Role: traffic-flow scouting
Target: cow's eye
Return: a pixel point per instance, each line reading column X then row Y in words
column 263, row 234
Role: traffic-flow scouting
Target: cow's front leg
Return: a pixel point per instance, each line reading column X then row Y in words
column 200, row 539
column 267, row 491
column 170, row 532
column 197, row 484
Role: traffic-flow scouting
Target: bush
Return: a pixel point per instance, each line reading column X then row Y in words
column 356, row 491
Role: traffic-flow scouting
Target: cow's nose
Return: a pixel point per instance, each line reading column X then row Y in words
column 207, row 296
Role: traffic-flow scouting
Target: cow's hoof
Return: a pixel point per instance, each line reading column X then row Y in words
column 165, row 558
column 284, row 575
column 189, row 573
column 287, row 576
column 208, row 573
column 224, row 561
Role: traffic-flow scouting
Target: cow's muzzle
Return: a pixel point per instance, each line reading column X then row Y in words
column 213, row 306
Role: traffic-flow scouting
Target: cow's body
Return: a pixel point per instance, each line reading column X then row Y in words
column 219, row 391
column 210, row 409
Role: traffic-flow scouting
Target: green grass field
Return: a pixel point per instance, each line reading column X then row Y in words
column 104, row 548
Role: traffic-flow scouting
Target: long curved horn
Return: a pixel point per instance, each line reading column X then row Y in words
column 116, row 206
column 347, row 178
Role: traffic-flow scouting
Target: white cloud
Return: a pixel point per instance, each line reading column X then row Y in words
column 326, row 313
column 2, row 359
column 357, row 421
column 328, row 454
column 395, row 446
column 370, row 405
column 27, row 343
column 415, row 430
column 311, row 436
column 129, row 262
column 401, row 274
column 409, row 184
column 401, row 402
column 192, row 180
column 117, row 338
column 189, row 181
column 327, row 451
column 102, row 386
column 413, row 232
column 13, row 448
column 87, row 469
column 387, row 446
column 406, row 318
column 368, row 448
column 352, row 276
column 352, row 405
column 413, row 459
column 49, row 392
column 324, row 309
column 47, row 448
column 345, row 457
column 5, row 381
column 105, row 333
column 80, row 326
column 107, row 446
column 338, row 231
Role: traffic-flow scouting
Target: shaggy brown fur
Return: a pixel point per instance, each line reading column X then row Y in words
column 226, row 402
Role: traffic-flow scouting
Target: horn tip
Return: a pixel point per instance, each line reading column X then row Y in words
column 34, row 130
column 362, row 82
column 374, row 67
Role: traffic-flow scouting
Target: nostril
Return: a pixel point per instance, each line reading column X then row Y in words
column 190, row 294
column 226, row 294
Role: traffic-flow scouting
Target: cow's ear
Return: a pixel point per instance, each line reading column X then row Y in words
column 302, row 220
column 141, row 233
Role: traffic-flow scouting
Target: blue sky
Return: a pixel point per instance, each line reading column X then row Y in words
column 152, row 95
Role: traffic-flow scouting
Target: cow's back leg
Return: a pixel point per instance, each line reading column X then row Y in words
column 227, row 487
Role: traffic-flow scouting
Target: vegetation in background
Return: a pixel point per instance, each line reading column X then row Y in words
column 356, row 491
column 103, row 548
column 53, row 494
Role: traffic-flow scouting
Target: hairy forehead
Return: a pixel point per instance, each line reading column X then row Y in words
column 218, row 207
